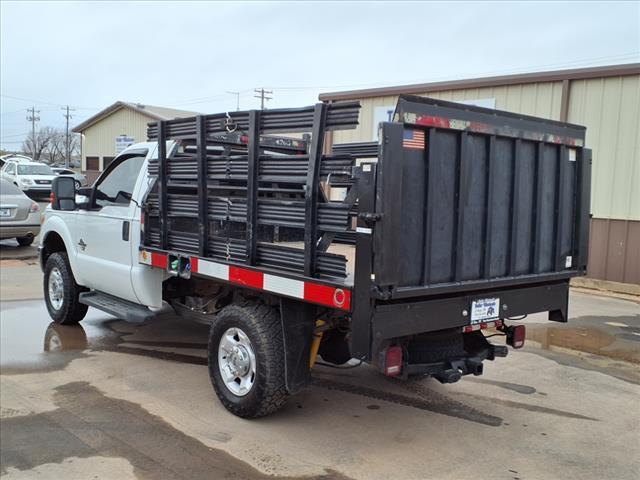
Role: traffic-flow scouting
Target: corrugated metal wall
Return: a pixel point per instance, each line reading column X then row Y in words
column 610, row 109
column 99, row 140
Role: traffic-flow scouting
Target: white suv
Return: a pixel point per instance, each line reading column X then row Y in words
column 29, row 176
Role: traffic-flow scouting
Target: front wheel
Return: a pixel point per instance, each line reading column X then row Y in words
column 246, row 359
column 61, row 292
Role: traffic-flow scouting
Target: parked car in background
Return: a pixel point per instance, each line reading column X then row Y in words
column 19, row 215
column 15, row 157
column 79, row 179
column 28, row 176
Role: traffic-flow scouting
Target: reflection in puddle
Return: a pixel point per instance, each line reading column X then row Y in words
column 30, row 342
column 58, row 338
column 588, row 340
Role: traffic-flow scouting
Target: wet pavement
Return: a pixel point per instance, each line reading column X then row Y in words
column 106, row 399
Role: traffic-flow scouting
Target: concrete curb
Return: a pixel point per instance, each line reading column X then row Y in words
column 605, row 286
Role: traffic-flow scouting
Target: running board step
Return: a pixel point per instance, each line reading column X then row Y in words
column 122, row 309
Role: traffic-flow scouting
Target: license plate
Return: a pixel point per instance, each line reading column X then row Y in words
column 484, row 309
column 4, row 212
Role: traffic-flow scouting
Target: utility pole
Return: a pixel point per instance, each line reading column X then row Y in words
column 237, row 94
column 262, row 95
column 68, row 116
column 33, row 118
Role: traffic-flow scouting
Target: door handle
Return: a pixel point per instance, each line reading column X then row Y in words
column 125, row 230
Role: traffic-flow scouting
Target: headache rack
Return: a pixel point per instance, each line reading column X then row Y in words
column 234, row 190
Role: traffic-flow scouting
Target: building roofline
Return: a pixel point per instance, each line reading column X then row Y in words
column 111, row 109
column 521, row 78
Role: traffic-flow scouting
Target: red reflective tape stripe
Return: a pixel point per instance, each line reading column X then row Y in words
column 331, row 296
column 194, row 264
column 242, row 276
column 430, row 121
column 158, row 260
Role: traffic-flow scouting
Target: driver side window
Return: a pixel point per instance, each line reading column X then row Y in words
column 117, row 187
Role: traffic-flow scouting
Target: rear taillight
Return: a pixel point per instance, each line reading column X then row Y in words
column 34, row 207
column 393, row 361
column 516, row 335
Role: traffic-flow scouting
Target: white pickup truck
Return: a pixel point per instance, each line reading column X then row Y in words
column 230, row 225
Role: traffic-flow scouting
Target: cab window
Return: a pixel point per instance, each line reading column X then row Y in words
column 10, row 168
column 117, row 187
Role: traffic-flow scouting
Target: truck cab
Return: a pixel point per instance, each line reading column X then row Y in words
column 101, row 236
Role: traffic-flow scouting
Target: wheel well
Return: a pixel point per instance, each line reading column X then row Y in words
column 52, row 243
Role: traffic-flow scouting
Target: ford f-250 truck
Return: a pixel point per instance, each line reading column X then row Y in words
column 399, row 253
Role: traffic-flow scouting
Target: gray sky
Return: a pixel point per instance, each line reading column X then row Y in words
column 188, row 54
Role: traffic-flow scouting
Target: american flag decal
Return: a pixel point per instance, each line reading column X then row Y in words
column 413, row 139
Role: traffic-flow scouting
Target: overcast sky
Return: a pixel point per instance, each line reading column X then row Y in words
column 188, row 54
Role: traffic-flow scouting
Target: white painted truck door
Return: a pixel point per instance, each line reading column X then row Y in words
column 146, row 281
column 104, row 257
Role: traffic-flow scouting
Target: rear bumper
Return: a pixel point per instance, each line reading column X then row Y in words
column 403, row 318
column 37, row 189
column 13, row 231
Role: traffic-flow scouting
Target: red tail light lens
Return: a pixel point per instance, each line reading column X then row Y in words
column 34, row 207
column 516, row 336
column 393, row 361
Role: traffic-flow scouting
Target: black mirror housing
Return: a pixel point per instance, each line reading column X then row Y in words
column 63, row 191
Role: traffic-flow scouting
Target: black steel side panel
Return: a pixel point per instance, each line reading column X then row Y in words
column 478, row 205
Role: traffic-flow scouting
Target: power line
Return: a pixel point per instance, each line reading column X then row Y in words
column 631, row 55
column 16, row 135
column 262, row 95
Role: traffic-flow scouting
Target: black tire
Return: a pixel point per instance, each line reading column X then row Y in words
column 71, row 311
column 261, row 324
column 25, row 241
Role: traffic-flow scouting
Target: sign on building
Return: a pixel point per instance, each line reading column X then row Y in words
column 381, row 114
column 122, row 142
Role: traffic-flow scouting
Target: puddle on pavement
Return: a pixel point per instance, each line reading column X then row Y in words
column 30, row 342
column 621, row 343
column 87, row 423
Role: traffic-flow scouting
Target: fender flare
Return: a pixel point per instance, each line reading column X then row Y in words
column 56, row 225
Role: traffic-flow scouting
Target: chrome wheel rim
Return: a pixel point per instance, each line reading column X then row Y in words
column 237, row 361
column 56, row 289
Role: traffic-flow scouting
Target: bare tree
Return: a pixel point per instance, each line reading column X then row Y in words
column 55, row 149
column 36, row 145
column 49, row 145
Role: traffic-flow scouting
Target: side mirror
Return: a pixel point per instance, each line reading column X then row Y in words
column 63, row 193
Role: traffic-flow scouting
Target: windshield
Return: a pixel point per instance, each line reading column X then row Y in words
column 34, row 170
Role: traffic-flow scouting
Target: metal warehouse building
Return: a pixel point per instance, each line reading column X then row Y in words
column 604, row 99
column 111, row 130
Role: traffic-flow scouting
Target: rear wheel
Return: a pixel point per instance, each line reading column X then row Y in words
column 25, row 241
column 61, row 292
column 246, row 359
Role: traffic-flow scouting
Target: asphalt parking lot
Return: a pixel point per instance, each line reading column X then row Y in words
column 110, row 400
